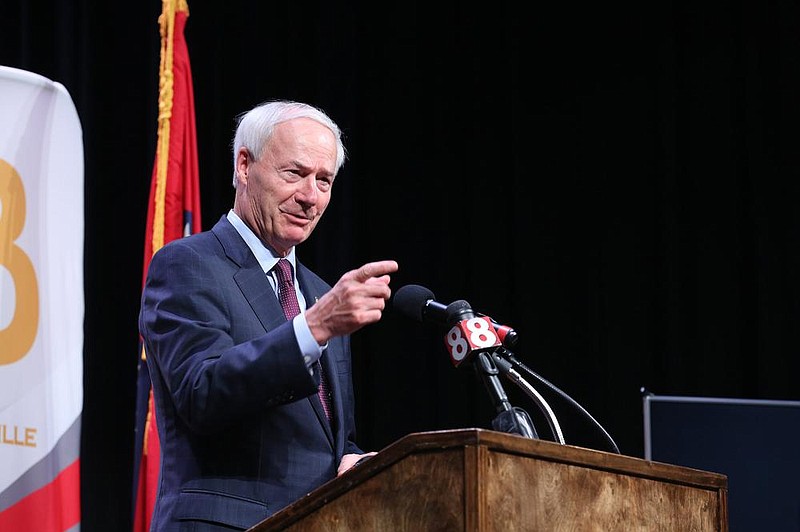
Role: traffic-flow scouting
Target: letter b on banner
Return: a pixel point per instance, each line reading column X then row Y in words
column 41, row 303
column 18, row 335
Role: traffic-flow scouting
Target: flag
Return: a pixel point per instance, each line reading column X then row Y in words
column 41, row 304
column 173, row 211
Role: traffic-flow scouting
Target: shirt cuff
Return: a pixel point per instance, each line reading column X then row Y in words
column 308, row 345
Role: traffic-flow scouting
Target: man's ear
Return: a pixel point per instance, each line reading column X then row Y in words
column 243, row 162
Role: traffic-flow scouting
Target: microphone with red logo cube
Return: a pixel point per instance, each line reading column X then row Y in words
column 470, row 334
column 473, row 339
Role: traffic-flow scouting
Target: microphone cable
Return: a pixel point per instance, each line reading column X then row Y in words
column 509, row 356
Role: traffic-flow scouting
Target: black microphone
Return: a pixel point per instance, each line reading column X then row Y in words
column 471, row 338
column 418, row 303
column 508, row 336
column 469, row 335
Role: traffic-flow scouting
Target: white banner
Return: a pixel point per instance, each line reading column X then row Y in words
column 41, row 303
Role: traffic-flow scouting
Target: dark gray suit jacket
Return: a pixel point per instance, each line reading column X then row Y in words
column 241, row 428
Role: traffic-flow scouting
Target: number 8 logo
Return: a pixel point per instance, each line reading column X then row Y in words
column 457, row 344
column 17, row 338
column 481, row 333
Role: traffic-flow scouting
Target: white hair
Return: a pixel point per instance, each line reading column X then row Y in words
column 256, row 126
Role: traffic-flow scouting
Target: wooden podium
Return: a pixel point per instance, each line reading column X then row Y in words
column 481, row 480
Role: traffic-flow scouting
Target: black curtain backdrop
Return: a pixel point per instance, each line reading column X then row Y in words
column 615, row 181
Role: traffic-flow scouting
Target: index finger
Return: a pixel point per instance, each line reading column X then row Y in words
column 376, row 269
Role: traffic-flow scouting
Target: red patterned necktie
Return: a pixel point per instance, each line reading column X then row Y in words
column 291, row 308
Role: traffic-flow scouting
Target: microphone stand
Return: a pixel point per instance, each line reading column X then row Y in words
column 507, row 362
column 507, row 369
column 509, row 419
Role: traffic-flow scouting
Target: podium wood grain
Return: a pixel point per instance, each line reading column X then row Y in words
column 480, row 480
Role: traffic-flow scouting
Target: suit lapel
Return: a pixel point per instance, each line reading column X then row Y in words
column 250, row 278
column 257, row 290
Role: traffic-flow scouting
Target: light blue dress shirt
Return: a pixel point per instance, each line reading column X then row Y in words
column 267, row 259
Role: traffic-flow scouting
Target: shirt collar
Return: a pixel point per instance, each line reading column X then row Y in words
column 266, row 258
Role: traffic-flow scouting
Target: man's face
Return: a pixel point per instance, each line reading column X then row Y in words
column 283, row 194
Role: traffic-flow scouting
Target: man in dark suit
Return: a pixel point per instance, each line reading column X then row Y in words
column 243, row 426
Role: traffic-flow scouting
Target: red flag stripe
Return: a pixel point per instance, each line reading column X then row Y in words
column 174, row 196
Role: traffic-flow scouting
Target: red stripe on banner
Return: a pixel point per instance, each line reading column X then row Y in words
column 53, row 508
